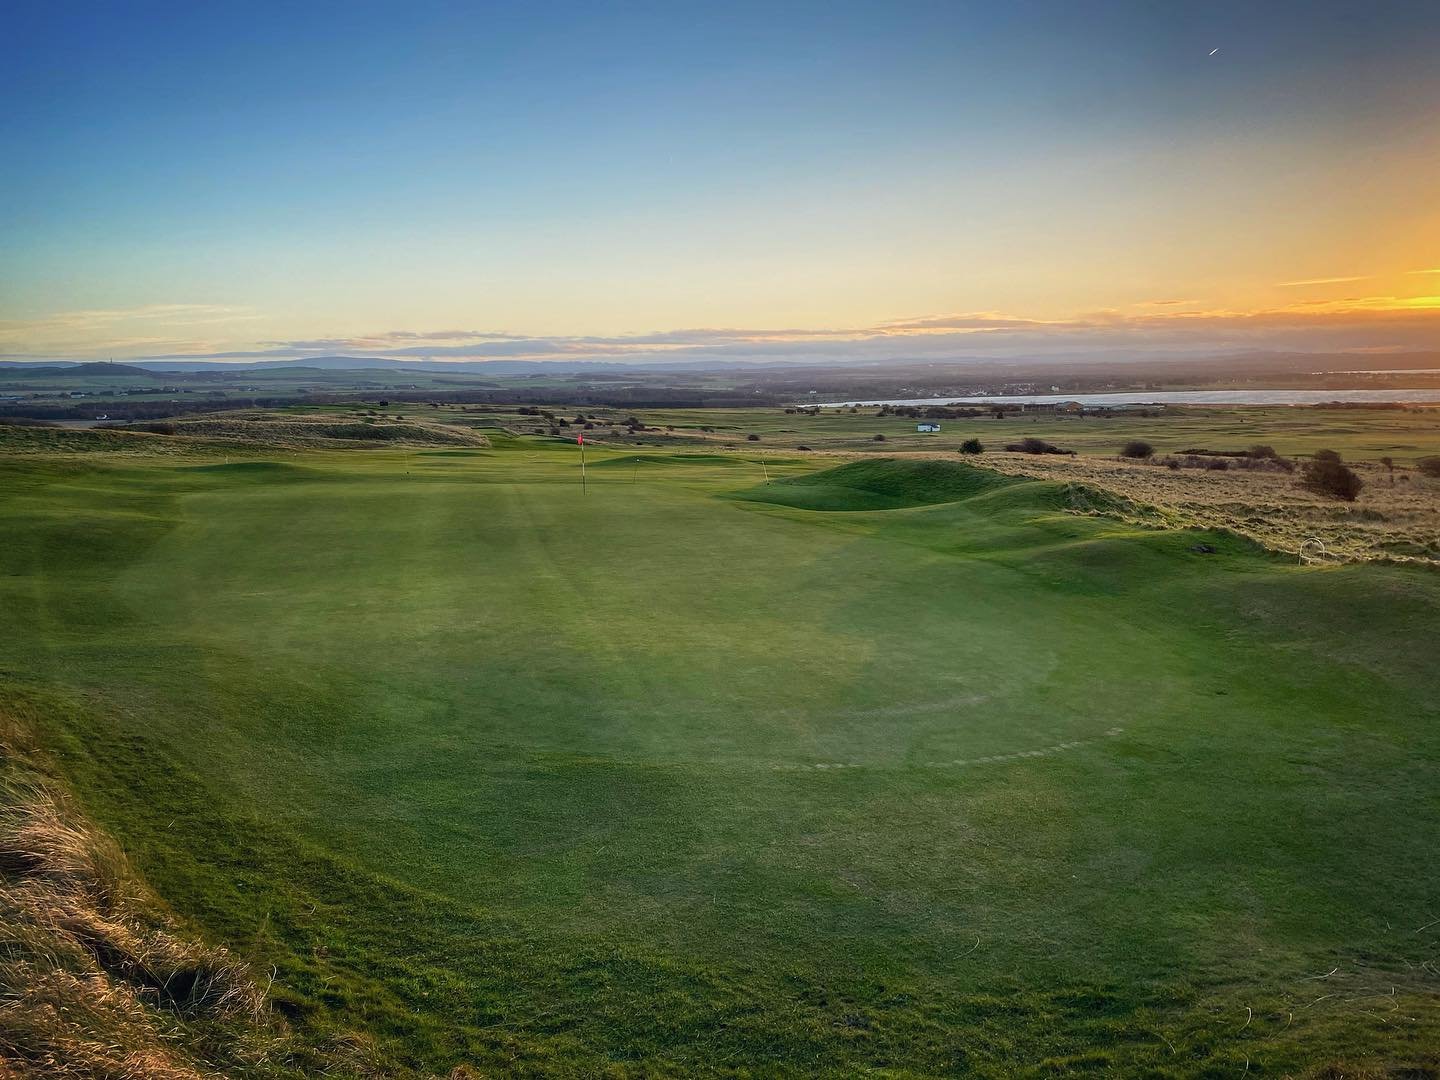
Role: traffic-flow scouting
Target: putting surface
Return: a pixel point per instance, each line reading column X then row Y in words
column 892, row 766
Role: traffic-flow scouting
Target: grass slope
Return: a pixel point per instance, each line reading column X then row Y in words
column 654, row 782
column 883, row 484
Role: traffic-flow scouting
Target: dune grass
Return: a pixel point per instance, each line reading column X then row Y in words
column 654, row 782
column 96, row 980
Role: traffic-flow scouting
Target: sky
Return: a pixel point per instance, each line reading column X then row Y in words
column 757, row 181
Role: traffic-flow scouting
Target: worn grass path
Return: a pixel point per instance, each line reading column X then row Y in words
column 496, row 773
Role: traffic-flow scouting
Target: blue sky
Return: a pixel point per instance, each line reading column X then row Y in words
column 204, row 178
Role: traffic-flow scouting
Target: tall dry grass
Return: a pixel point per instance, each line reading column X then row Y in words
column 1397, row 515
column 300, row 431
column 95, row 981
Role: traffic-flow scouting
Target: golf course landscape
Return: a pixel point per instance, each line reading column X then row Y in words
column 737, row 764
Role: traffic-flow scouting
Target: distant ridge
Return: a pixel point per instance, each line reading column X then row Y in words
column 78, row 370
column 1271, row 363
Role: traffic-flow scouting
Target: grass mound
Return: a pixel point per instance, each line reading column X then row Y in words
column 887, row 484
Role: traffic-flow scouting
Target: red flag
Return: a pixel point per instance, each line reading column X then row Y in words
column 580, row 439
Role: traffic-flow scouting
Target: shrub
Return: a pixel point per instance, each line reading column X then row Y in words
column 972, row 446
column 1260, row 450
column 879, row 438
column 1326, row 475
column 752, row 437
column 1429, row 466
column 1033, row 445
column 1137, row 448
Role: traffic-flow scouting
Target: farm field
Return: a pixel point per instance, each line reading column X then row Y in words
column 883, row 767
column 1359, row 434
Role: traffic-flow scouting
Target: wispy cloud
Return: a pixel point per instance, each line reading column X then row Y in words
column 1320, row 281
column 162, row 314
column 1373, row 322
column 105, row 331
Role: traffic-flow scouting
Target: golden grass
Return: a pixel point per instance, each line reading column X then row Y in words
column 95, row 981
column 98, row 982
column 1397, row 515
column 63, row 442
column 237, row 433
column 299, row 431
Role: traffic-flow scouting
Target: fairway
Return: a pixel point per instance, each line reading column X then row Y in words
column 888, row 767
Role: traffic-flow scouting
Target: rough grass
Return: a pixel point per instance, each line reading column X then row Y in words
column 318, row 431
column 18, row 441
column 95, row 981
column 236, row 434
column 1396, row 517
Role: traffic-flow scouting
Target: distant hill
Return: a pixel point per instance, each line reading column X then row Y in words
column 87, row 370
column 363, row 363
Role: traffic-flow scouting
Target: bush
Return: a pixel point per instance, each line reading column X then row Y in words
column 972, row 446
column 879, row 438
column 1260, row 450
column 1137, row 448
column 1429, row 466
column 1035, row 446
column 1326, row 475
column 752, row 437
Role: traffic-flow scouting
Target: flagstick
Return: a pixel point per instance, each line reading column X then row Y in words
column 635, row 470
column 582, row 465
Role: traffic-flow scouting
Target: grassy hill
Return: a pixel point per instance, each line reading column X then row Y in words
column 883, row 484
column 891, row 768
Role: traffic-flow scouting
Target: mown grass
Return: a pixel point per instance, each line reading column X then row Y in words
column 657, row 783
column 883, row 484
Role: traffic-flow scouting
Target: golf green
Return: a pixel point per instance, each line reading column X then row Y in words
column 888, row 766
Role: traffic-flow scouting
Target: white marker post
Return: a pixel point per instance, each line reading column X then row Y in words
column 581, row 440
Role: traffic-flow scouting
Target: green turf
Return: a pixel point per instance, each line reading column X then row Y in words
column 684, row 775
